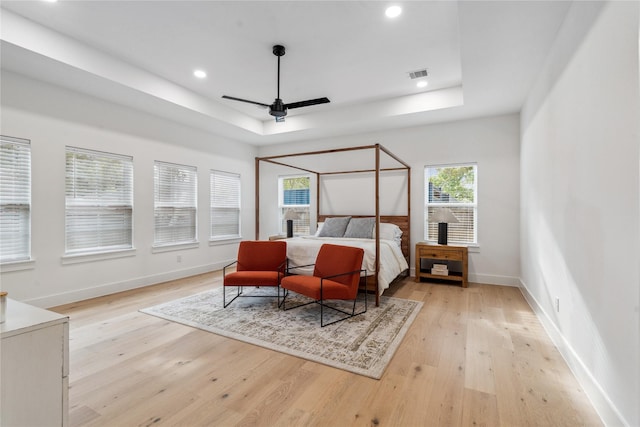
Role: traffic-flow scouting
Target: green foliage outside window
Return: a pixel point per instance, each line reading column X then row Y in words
column 457, row 182
column 298, row 183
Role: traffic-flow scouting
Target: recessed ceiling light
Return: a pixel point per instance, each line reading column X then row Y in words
column 200, row 74
column 393, row 11
column 422, row 83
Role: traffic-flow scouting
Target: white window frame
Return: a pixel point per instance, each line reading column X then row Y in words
column 228, row 200
column 97, row 221
column 15, row 200
column 451, row 205
column 179, row 202
column 302, row 226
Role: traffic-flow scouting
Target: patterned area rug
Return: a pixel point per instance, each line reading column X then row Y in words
column 363, row 344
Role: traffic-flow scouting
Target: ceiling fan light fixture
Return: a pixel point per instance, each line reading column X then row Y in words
column 393, row 11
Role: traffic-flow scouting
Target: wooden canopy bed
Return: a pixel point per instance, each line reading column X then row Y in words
column 401, row 221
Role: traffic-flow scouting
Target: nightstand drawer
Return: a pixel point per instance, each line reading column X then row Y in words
column 450, row 254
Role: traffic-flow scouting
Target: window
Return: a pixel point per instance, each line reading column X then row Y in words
column 225, row 205
column 453, row 187
column 175, row 204
column 294, row 195
column 98, row 202
column 15, row 199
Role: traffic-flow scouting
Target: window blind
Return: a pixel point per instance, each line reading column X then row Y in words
column 453, row 187
column 98, row 202
column 295, row 195
column 15, row 199
column 175, row 204
column 225, row 205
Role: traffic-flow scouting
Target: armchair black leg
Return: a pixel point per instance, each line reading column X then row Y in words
column 348, row 315
column 225, row 304
column 240, row 291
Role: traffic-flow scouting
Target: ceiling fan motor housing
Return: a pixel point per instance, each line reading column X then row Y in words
column 278, row 50
column 278, row 109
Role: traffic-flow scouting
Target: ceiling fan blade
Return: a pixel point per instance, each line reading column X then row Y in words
column 307, row 103
column 245, row 100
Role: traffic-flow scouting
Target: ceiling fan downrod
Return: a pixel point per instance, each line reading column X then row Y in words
column 278, row 109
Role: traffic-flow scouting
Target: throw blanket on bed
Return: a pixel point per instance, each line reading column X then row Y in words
column 303, row 250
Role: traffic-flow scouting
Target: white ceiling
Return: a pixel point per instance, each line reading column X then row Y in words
column 482, row 58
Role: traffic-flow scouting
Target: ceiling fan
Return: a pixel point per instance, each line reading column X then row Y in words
column 279, row 109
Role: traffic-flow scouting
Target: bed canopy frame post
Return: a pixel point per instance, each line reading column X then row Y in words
column 409, row 213
column 257, row 198
column 317, row 197
column 408, row 169
column 377, row 198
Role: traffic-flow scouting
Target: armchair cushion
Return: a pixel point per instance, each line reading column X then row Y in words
column 262, row 255
column 253, row 278
column 338, row 259
column 310, row 286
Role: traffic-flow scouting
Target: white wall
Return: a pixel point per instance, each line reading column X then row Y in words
column 580, row 198
column 53, row 118
column 492, row 143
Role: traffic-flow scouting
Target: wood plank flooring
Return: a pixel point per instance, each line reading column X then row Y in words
column 473, row 357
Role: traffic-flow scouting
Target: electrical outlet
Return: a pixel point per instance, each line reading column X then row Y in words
column 179, row 258
column 557, row 304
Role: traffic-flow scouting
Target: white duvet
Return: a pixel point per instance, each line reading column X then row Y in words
column 303, row 250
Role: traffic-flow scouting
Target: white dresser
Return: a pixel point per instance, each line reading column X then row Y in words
column 34, row 376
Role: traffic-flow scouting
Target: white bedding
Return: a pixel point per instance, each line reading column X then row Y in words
column 303, row 250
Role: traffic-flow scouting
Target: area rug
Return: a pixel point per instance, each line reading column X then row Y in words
column 363, row 344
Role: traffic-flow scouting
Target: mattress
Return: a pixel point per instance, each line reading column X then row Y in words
column 303, row 251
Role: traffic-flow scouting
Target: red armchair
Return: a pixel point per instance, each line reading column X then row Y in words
column 259, row 263
column 336, row 276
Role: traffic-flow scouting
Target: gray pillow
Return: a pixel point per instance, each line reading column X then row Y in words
column 334, row 227
column 360, row 228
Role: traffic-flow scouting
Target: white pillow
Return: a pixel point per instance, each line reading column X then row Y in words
column 389, row 232
column 318, row 228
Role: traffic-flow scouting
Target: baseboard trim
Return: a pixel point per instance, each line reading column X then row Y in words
column 486, row 279
column 125, row 285
column 490, row 279
column 605, row 408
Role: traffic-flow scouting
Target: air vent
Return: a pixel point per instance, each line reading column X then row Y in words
column 418, row 74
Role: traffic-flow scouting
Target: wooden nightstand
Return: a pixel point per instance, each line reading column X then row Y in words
column 442, row 253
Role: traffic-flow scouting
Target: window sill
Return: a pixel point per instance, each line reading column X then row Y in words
column 174, row 247
column 225, row 241
column 28, row 264
column 97, row 256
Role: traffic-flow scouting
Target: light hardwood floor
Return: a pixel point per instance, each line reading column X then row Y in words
column 473, row 357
